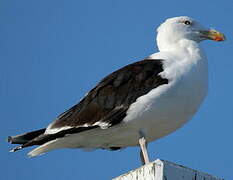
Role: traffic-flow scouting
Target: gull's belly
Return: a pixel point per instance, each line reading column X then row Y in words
column 171, row 111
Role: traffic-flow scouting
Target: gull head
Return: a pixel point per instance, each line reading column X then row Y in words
column 175, row 29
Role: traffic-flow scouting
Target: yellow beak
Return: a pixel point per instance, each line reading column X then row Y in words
column 213, row 35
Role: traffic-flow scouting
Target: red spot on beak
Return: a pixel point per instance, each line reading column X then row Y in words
column 219, row 38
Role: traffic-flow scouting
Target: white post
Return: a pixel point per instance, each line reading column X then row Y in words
column 164, row 170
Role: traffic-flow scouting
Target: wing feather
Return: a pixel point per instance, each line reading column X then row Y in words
column 109, row 101
column 105, row 105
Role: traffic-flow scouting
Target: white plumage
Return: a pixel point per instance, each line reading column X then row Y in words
column 163, row 109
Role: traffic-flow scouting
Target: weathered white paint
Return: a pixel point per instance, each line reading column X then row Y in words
column 164, row 170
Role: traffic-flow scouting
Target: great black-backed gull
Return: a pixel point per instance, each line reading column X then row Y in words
column 138, row 103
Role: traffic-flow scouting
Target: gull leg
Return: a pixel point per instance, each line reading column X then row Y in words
column 143, row 153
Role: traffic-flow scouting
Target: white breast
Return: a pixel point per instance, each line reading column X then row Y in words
column 168, row 107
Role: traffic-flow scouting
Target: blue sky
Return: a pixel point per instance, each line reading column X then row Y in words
column 53, row 52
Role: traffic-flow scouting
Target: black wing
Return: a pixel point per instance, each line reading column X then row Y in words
column 111, row 98
column 107, row 103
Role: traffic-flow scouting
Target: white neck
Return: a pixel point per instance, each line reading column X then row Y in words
column 170, row 44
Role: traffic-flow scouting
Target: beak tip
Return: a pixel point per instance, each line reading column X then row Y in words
column 219, row 39
column 216, row 35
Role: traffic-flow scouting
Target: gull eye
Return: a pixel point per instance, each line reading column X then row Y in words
column 187, row 22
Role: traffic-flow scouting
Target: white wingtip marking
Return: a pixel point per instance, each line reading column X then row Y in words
column 50, row 130
column 102, row 125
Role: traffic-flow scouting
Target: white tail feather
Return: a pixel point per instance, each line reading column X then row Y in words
column 51, row 145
